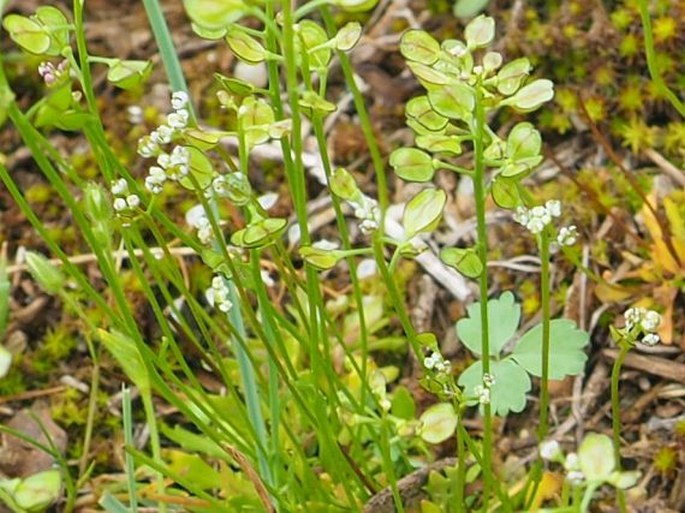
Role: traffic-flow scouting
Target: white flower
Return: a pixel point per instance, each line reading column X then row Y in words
column 133, row 201
column 634, row 316
column 488, row 380
column 135, row 114
column 326, row 245
column 572, row 462
column 550, row 450
column 483, row 394
column 553, row 208
column 218, row 295
column 120, row 204
column 147, row 147
column 178, row 119
column 567, row 236
column 650, row 339
column 651, row 321
column 180, row 155
column 179, row 99
column 164, row 160
column 536, row 225
column 575, row 477
column 521, row 216
column 162, row 135
column 119, row 187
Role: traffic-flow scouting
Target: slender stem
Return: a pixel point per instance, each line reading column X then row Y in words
column 544, row 242
column 479, row 190
column 128, row 441
column 364, row 119
column 615, row 401
column 654, row 71
column 167, row 50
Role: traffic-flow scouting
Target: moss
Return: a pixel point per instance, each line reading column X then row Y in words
column 39, row 194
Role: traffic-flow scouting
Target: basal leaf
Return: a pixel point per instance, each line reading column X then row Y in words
column 566, row 349
column 508, row 393
column 503, row 320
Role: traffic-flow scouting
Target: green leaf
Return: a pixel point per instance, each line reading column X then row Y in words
column 38, row 491
column 508, row 393
column 438, row 423
column 200, row 167
column 48, row 275
column 566, row 349
column 419, row 46
column 596, row 457
column 126, row 353
column 504, row 315
column 245, row 47
column 455, row 101
column 480, row 32
column 420, row 110
column 423, row 212
column 412, row 164
column 128, row 74
column 531, row 96
column 214, row 14
column 27, row 33
column 464, row 260
column 403, row 405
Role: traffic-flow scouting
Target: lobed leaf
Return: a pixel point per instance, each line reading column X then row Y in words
column 567, row 357
column 508, row 393
column 504, row 315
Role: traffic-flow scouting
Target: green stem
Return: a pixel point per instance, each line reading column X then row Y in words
column 167, row 50
column 654, row 71
column 615, row 401
column 364, row 119
column 546, row 317
column 479, row 190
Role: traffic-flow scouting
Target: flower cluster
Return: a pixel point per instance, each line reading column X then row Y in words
column 124, row 201
column 551, row 451
column 196, row 217
column 218, row 295
column 437, row 363
column 640, row 321
column 170, row 166
column 483, row 391
column 51, row 73
column 367, row 211
column 537, row 218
